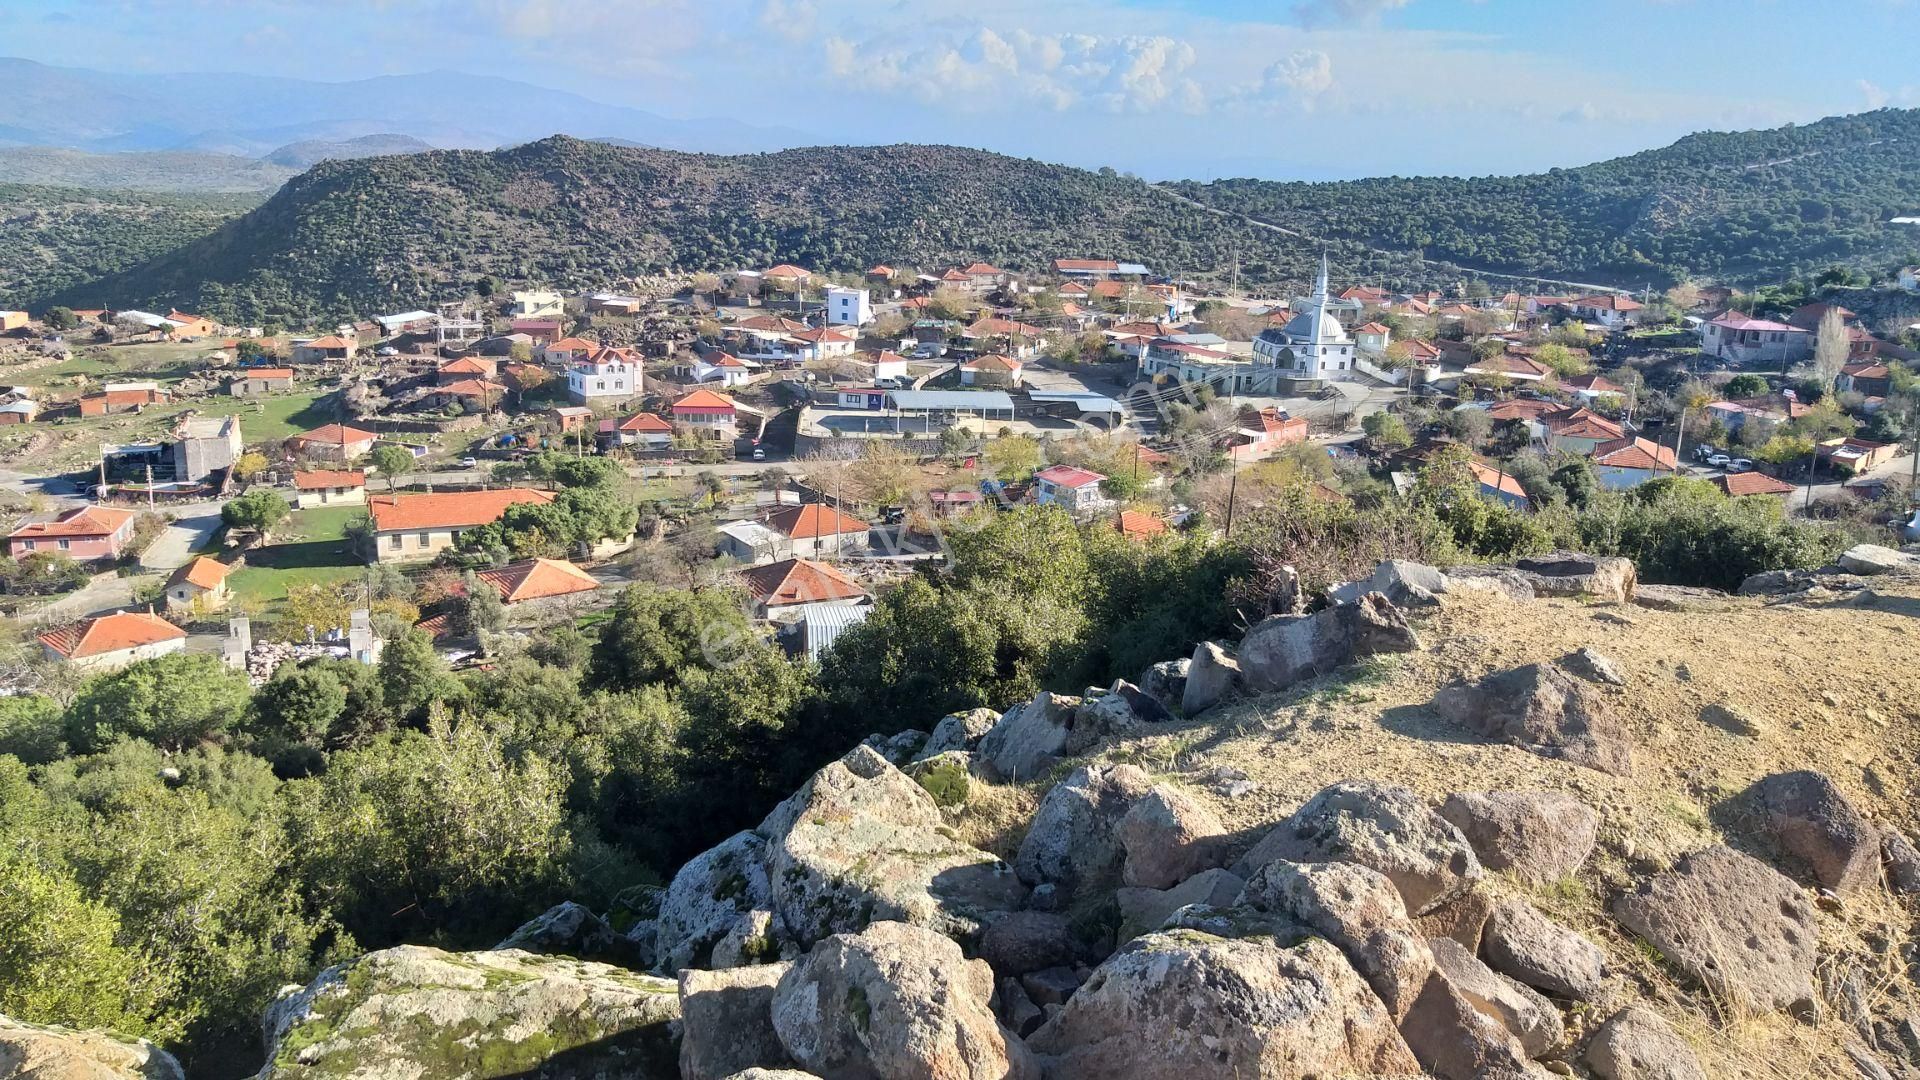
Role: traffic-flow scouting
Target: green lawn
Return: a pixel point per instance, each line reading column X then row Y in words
column 269, row 419
column 318, row 523
column 311, row 549
column 270, row 584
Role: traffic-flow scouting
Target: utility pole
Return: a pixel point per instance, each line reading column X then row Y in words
column 1233, row 486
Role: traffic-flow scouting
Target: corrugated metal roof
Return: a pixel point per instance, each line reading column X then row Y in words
column 958, row 400
column 1088, row 403
column 820, row 624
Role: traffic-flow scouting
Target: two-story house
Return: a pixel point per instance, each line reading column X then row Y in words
column 604, row 374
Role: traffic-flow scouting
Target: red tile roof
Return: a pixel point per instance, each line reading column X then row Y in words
column 322, row 479
column 642, row 422
column 1086, row 265
column 466, row 365
column 1608, row 302
column 331, row 341
column 265, row 373
column 1751, row 483
column 480, row 388
column 814, row 520
column 1067, row 476
column 202, row 571
column 334, row 435
column 448, row 509
column 704, row 402
column 1594, row 384
column 111, row 633
column 799, row 581
column 537, row 579
column 1139, row 523
column 86, row 521
column 1584, row 424
column 1635, row 453
column 1491, row 477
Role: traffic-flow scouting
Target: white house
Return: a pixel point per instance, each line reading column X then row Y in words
column 1610, row 310
column 1908, row 278
column 718, row 367
column 604, row 374
column 538, row 304
column 113, row 641
column 1747, row 340
column 848, row 307
column 1070, row 488
column 647, row 431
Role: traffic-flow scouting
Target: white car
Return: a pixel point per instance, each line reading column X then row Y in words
column 1740, row 464
column 469, row 463
column 1719, row 461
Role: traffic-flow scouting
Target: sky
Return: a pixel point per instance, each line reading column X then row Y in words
column 1284, row 89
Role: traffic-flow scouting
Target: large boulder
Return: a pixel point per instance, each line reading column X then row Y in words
column 1212, row 676
column 48, row 1052
column 862, row 841
column 1734, row 925
column 1526, row 945
column 1636, row 1044
column 1516, row 1006
column 710, row 894
column 726, row 1022
column 1023, row 941
column 1818, row 827
column 1870, row 559
column 1382, row 827
column 1407, row 584
column 1189, row 1006
column 1168, row 837
column 426, row 1014
column 1360, row 912
column 1537, row 836
column 1462, row 919
column 1454, row 1040
column 1283, row 650
column 569, row 929
column 1143, row 911
column 1028, row 740
column 895, row 1002
column 1543, row 710
column 958, row 731
column 1074, row 837
column 1166, row 682
column 1572, row 573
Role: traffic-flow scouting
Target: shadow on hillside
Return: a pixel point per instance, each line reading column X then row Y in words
column 1421, row 722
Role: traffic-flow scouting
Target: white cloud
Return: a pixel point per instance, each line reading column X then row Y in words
column 1877, row 98
column 986, row 68
column 1308, row 72
column 1336, row 12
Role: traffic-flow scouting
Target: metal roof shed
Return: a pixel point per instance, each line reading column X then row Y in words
column 983, row 403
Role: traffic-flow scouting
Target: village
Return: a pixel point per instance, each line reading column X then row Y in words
column 807, row 437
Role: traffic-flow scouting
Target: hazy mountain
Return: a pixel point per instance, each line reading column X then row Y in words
column 253, row 115
column 155, row 170
column 301, row 156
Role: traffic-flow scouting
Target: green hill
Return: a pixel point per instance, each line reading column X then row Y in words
column 1742, row 206
column 56, row 240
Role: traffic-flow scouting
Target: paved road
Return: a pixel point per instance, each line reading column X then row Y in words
column 192, row 527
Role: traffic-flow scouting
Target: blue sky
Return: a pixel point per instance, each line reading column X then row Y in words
column 1286, row 88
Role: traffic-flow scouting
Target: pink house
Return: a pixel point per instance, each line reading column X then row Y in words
column 86, row 534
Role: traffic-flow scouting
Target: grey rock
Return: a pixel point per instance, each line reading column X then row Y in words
column 1104, row 714
column 1143, row 911
column 1819, row 828
column 1681, row 598
column 1185, row 1006
column 1016, row 1010
column 1360, row 912
column 1023, row 941
column 569, row 929
column 51, row 1052
column 1454, row 1040
column 1517, row 1007
column 1502, row 581
column 1073, row 841
column 898, row 749
column 1522, row 943
column 1380, row 826
column 1543, row 710
column 1462, row 919
column 1902, row 861
column 1168, row 837
column 1213, row 675
column 707, row 897
column 1051, row 986
column 1732, row 924
column 1283, row 650
column 1593, row 667
column 1572, row 573
column 757, row 937
column 396, row 1007
column 1166, row 681
column 1407, row 584
column 895, row 1002
column 1146, row 707
column 726, row 1021
column 1871, row 559
column 1537, row 836
column 958, row 731
column 1028, row 740
column 1636, row 1044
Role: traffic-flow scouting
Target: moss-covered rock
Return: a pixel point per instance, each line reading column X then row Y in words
column 425, row 1014
column 47, row 1052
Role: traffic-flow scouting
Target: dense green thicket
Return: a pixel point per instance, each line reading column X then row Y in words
column 1741, row 206
column 175, row 846
column 54, row 240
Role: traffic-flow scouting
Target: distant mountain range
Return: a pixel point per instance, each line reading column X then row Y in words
column 254, row 115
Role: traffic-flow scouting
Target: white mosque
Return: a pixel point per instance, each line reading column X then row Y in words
column 1313, row 345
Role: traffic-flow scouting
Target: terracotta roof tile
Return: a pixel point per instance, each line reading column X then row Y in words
column 813, row 521
column 1752, row 483
column 202, row 571
column 537, row 579
column 799, row 581
column 334, row 435
column 322, row 479
column 111, row 633
column 86, row 521
column 448, row 509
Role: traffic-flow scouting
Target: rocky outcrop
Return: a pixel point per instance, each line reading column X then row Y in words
column 1382, row 827
column 1169, row 836
column 1028, row 740
column 726, row 1022
column 958, row 731
column 1543, row 710
column 1360, row 912
column 1537, row 836
column 709, row 895
column 1074, row 839
column 1212, row 676
column 1023, row 941
column 1283, row 650
column 1143, row 911
column 1572, row 573
column 863, row 842
column 1527, row 946
column 1453, row 1040
column 47, row 1052
column 895, row 1002
column 1819, row 828
column 1188, row 1006
column 1732, row 924
column 1636, row 1044
column 1518, row 1008
column 568, row 929
column 1406, row 584
column 1871, row 559
column 420, row 1012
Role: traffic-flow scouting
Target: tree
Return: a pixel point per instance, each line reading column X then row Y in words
column 249, row 465
column 480, row 611
column 1831, row 348
column 60, row 960
column 1746, row 385
column 31, row 729
column 62, row 318
column 392, row 461
column 172, row 701
column 1564, row 361
column 257, row 511
column 1013, row 458
column 414, row 676
column 656, row 636
column 1386, row 431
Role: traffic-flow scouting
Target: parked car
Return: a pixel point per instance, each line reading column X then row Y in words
column 1719, row 461
column 1740, row 464
column 1704, row 451
column 469, row 463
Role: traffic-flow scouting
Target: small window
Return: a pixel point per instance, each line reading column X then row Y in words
column 27, row 544
column 425, row 538
column 65, row 544
column 398, row 541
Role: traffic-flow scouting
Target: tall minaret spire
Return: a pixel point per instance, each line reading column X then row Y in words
column 1320, row 286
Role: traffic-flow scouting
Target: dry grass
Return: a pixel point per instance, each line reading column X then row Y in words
column 1836, row 686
